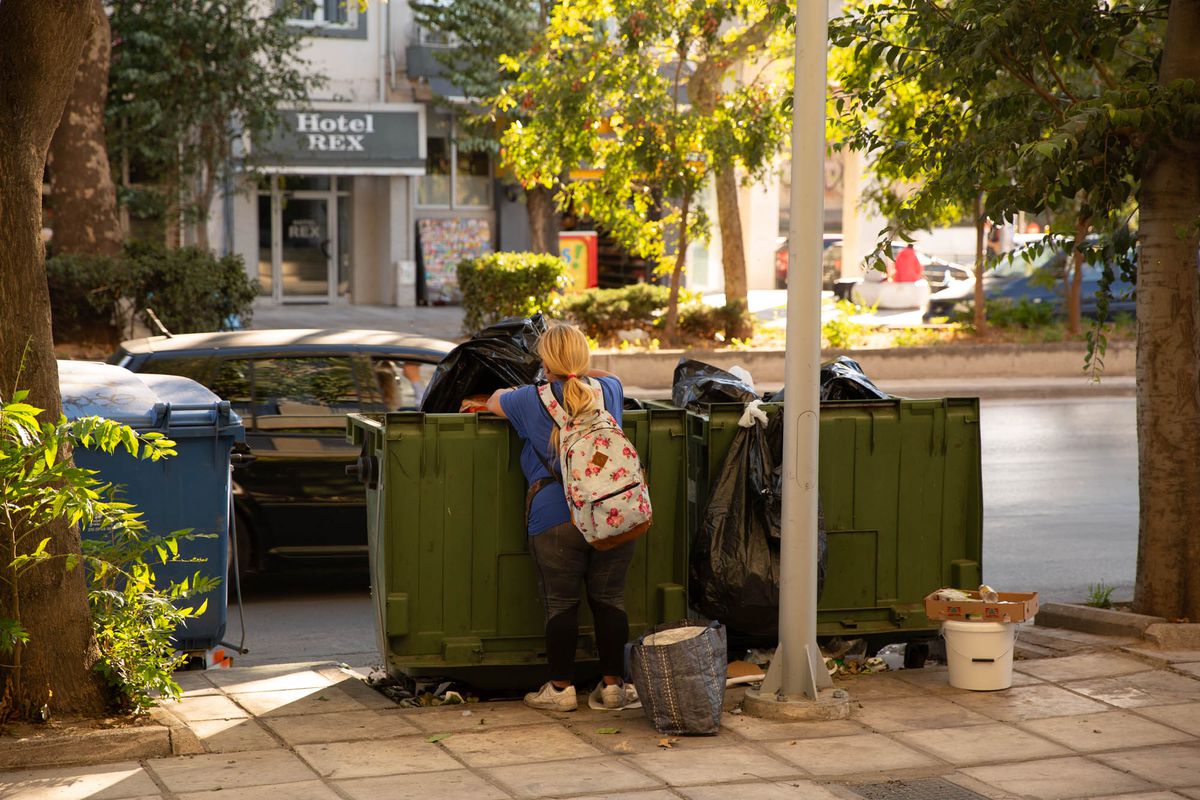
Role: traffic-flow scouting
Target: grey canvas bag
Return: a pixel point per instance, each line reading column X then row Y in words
column 679, row 671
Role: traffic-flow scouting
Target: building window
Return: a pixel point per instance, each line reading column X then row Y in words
column 453, row 178
column 331, row 18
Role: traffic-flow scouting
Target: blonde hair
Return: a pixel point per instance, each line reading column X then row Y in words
column 564, row 351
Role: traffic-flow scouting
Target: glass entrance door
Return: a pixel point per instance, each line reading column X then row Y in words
column 300, row 219
column 307, row 248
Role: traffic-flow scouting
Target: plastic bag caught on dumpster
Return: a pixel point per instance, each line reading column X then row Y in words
column 696, row 384
column 499, row 356
column 735, row 555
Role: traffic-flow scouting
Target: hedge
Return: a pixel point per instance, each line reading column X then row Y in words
column 190, row 290
column 501, row 285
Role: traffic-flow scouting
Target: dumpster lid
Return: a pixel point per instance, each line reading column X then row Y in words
column 140, row 401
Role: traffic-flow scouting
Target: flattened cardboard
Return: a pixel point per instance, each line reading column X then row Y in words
column 1012, row 607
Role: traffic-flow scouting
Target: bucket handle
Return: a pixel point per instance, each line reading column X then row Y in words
column 1011, row 647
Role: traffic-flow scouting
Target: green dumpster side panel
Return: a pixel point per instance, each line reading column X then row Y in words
column 448, row 542
column 901, row 490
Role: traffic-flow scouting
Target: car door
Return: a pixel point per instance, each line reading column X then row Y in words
column 302, row 503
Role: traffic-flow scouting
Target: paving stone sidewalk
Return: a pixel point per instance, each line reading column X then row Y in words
column 1111, row 720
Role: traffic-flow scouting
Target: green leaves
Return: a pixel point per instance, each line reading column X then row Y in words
column 133, row 617
column 638, row 114
column 502, row 285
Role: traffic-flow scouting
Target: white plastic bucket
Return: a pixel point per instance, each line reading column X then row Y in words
column 979, row 654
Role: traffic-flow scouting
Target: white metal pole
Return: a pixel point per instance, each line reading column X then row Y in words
column 802, row 670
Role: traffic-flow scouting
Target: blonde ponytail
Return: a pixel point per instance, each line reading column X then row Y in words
column 564, row 351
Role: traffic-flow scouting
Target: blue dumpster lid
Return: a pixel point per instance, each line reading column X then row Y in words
column 143, row 402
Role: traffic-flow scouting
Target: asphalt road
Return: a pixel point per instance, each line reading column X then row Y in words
column 1060, row 496
column 1060, row 513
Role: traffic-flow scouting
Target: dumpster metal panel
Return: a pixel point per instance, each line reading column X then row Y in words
column 188, row 490
column 448, row 546
column 901, row 490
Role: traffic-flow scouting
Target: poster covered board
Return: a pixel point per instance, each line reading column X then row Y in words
column 444, row 243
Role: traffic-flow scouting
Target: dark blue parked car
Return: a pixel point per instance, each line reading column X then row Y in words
column 1040, row 282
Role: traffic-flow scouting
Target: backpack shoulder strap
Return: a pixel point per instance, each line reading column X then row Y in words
column 552, row 406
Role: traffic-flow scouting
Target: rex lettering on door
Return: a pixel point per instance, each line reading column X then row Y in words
column 340, row 133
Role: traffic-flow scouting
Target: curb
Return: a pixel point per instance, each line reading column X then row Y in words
column 1174, row 635
column 184, row 741
column 1100, row 621
column 67, row 747
column 947, row 364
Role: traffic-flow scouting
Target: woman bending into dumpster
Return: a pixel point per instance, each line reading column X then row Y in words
column 564, row 559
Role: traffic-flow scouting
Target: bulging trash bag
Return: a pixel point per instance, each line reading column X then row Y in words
column 697, row 384
column 679, row 671
column 735, row 554
column 843, row 379
column 498, row 357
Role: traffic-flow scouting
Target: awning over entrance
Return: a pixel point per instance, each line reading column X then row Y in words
column 347, row 140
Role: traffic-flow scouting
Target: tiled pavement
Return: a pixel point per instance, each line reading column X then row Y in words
column 1099, row 724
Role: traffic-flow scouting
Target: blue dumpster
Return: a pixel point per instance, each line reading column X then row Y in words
column 188, row 490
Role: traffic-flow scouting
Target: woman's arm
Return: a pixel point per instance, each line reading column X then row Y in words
column 493, row 403
column 600, row 373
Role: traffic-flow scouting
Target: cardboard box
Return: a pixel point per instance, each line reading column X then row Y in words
column 1011, row 607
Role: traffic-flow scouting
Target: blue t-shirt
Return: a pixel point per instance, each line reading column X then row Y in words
column 532, row 421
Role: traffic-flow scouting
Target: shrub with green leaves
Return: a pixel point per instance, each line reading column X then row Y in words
column 501, row 285
column 601, row 313
column 190, row 289
column 85, row 297
column 843, row 331
column 133, row 617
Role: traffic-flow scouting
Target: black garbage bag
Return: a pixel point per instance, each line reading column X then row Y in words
column 843, row 379
column 735, row 560
column 735, row 553
column 697, row 384
column 498, row 357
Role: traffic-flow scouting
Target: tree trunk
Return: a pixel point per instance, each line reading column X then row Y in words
column 543, row 220
column 84, row 198
column 43, row 42
column 1168, row 355
column 733, row 254
column 671, row 324
column 1075, row 279
column 980, row 263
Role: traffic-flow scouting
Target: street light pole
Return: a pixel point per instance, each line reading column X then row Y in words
column 797, row 672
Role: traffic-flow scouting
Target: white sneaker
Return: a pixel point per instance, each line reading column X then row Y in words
column 613, row 697
column 549, row 698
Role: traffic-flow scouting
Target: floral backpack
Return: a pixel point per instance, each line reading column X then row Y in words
column 601, row 473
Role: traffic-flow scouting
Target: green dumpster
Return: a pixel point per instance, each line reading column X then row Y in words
column 902, row 495
column 453, row 583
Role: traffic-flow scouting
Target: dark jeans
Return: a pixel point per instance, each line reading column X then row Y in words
column 564, row 561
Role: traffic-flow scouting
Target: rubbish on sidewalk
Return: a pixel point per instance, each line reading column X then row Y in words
column 979, row 654
column 893, row 655
column 678, row 670
column 843, row 379
column 947, row 604
column 498, row 357
column 742, row 672
column 697, row 384
column 988, row 595
column 837, row 647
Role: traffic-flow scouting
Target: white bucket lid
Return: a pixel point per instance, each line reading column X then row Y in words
column 969, row 626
